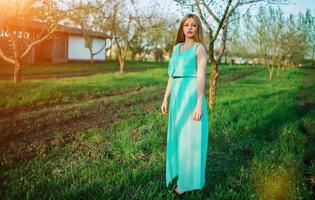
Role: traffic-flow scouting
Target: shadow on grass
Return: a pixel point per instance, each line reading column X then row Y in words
column 236, row 137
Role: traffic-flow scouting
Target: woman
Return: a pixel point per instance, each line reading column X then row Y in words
column 187, row 134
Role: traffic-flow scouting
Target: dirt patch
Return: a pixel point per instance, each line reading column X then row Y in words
column 37, row 75
column 12, row 112
column 27, row 131
column 32, row 133
column 236, row 75
column 48, row 75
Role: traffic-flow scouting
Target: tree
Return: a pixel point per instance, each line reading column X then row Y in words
column 83, row 14
column 270, row 29
column 294, row 42
column 124, row 22
column 161, row 42
column 249, row 38
column 278, row 41
column 137, row 46
column 218, row 24
column 308, row 24
column 15, row 16
column 237, row 44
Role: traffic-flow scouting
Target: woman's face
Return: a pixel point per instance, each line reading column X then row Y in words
column 190, row 27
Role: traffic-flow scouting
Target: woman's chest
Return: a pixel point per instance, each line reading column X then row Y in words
column 182, row 60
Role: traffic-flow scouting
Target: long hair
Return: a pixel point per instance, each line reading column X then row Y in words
column 198, row 35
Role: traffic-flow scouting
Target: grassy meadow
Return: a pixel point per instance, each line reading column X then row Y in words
column 99, row 134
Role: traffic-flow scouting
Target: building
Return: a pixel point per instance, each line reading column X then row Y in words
column 64, row 45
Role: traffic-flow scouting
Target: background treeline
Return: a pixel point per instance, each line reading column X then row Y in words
column 234, row 33
column 267, row 36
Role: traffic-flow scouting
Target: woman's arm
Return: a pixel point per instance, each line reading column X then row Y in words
column 201, row 79
column 201, row 71
column 168, row 89
column 166, row 95
column 167, row 92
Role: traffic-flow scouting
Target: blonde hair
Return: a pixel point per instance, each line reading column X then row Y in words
column 198, row 35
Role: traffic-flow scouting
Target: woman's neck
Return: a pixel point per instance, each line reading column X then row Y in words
column 189, row 41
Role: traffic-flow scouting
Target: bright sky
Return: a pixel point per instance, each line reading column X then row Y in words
column 294, row 7
column 170, row 7
column 299, row 6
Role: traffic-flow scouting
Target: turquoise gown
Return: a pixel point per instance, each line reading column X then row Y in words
column 187, row 140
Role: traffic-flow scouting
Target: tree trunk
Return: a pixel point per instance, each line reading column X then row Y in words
column 133, row 56
column 91, row 55
column 121, row 64
column 278, row 69
column 92, row 59
column 212, row 89
column 110, row 56
column 17, row 72
column 270, row 70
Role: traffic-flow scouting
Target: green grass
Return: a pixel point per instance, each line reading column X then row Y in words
column 66, row 90
column 103, row 67
column 258, row 139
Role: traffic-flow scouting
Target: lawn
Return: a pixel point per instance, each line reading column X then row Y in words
column 74, row 69
column 102, row 136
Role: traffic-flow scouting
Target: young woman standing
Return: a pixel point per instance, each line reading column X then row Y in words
column 187, row 134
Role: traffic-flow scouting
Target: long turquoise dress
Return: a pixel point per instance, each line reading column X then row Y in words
column 187, row 140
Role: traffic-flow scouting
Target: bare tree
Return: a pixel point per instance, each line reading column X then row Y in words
column 128, row 23
column 216, row 15
column 270, row 29
column 14, row 17
column 294, row 42
column 122, row 21
column 83, row 14
column 307, row 21
column 279, row 41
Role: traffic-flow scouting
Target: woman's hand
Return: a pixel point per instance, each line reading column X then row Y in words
column 164, row 107
column 198, row 112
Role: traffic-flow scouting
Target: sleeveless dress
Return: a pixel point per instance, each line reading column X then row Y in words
column 187, row 140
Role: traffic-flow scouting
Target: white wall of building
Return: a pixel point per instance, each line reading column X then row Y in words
column 78, row 51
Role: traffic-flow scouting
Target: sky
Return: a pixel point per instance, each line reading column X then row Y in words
column 170, row 7
column 294, row 7
column 299, row 6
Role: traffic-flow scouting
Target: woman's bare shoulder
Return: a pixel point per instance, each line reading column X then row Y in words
column 201, row 50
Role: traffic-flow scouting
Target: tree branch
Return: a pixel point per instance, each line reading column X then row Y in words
column 223, row 41
column 210, row 11
column 244, row 14
column 224, row 17
column 6, row 58
column 203, row 19
column 234, row 8
column 99, row 51
column 13, row 42
column 52, row 30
